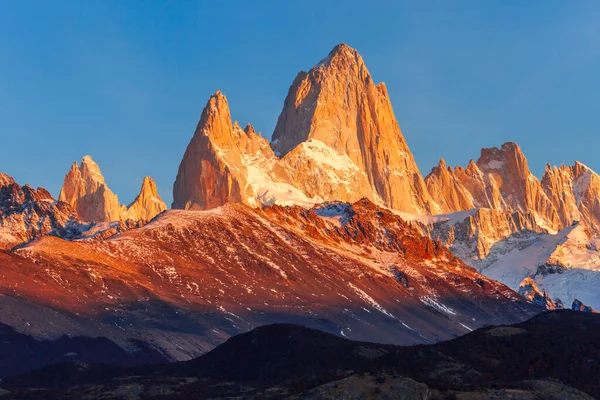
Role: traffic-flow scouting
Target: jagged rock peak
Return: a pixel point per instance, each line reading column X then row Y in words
column 249, row 129
column 342, row 56
column 336, row 103
column 6, row 180
column 85, row 189
column 530, row 290
column 442, row 164
column 204, row 178
column 27, row 213
column 330, row 89
column 147, row 204
column 90, row 169
column 472, row 168
column 509, row 156
column 215, row 122
column 580, row 168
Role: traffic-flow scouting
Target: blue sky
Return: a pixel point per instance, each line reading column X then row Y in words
column 126, row 81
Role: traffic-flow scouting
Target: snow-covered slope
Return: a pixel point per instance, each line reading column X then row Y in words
column 566, row 265
column 189, row 279
column 27, row 213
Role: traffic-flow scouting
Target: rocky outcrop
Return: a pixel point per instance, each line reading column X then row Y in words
column 336, row 139
column 506, row 198
column 579, row 306
column 338, row 104
column 85, row 189
column 448, row 190
column 209, row 174
column 499, row 180
column 27, row 213
column 575, row 192
column 147, row 204
column 529, row 290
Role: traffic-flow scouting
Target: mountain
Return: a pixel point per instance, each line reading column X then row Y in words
column 579, row 306
column 501, row 181
column 147, row 204
column 574, row 191
column 86, row 191
column 186, row 281
column 511, row 226
column 329, row 225
column 27, row 213
column 551, row 356
column 338, row 104
column 529, row 290
column 336, row 139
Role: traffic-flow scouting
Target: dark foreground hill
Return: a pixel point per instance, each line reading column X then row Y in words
column 554, row 355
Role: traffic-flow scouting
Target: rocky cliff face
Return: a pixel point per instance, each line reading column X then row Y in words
column 336, row 139
column 85, row 189
column 338, row 104
column 500, row 180
column 509, row 199
column 209, row 174
column 574, row 192
column 147, row 204
column 529, row 290
column 27, row 213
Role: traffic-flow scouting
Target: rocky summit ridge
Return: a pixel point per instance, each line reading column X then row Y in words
column 85, row 189
column 336, row 139
column 27, row 213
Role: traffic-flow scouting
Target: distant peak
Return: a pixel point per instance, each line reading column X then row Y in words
column 581, row 166
column 148, row 182
column 148, row 187
column 218, row 99
column 506, row 148
column 249, row 129
column 87, row 160
column 472, row 167
column 341, row 49
column 510, row 146
column 509, row 155
column 442, row 164
column 6, row 180
column 341, row 55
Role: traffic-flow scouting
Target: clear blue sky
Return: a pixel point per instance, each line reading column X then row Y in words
column 125, row 81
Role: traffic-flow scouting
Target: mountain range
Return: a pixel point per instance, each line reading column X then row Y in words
column 330, row 224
